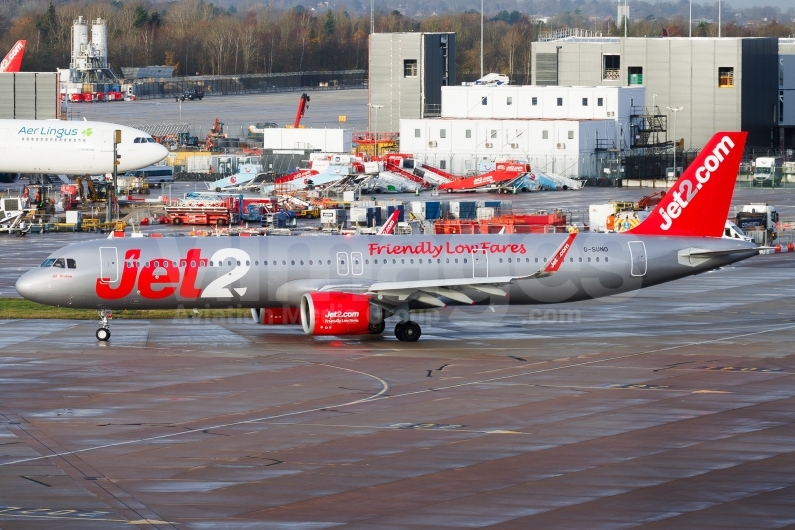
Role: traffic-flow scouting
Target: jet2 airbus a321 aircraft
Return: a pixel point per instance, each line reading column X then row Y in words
column 347, row 285
column 58, row 147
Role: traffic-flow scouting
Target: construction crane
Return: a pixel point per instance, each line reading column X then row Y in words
column 303, row 105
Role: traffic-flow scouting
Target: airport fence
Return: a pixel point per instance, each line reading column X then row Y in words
column 250, row 84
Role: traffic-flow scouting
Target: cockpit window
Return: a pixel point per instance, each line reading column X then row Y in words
column 48, row 262
column 70, row 263
column 151, row 140
column 60, row 263
column 137, row 141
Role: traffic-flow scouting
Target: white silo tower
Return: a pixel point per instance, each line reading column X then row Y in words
column 99, row 42
column 79, row 44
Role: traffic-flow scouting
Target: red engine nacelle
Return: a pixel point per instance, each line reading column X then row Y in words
column 330, row 313
column 271, row 316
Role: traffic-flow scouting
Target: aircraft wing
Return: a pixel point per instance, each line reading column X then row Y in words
column 429, row 291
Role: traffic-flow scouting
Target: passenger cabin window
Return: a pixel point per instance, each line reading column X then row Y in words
column 726, row 77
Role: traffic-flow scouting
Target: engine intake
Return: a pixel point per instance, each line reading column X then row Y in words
column 333, row 313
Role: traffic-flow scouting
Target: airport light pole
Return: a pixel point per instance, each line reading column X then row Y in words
column 674, row 110
column 111, row 211
column 482, row 14
column 690, row 33
column 375, row 129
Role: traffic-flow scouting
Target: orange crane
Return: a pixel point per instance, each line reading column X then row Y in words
column 650, row 200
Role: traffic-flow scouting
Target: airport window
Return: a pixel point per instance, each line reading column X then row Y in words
column 560, row 102
column 611, row 67
column 70, row 263
column 571, row 135
column 442, row 133
column 726, row 77
column 410, row 68
column 443, row 164
column 493, row 133
column 484, row 100
column 600, row 102
column 635, row 75
column 416, row 133
column 468, row 133
column 509, row 101
column 584, row 102
column 545, row 135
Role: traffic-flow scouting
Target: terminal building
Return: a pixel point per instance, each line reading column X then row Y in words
column 569, row 131
column 407, row 73
column 786, row 95
column 720, row 83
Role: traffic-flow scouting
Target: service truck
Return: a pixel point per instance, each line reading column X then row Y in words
column 768, row 171
column 758, row 221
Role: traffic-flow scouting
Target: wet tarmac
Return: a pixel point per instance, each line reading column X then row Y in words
column 672, row 407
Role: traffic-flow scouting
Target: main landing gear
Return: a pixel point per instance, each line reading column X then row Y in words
column 103, row 333
column 408, row 331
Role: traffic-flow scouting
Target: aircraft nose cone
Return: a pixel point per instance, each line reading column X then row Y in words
column 26, row 286
column 162, row 152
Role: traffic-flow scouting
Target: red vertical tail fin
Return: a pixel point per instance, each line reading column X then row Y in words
column 698, row 203
column 13, row 61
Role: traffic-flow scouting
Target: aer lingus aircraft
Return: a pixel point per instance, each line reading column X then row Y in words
column 347, row 285
column 58, row 147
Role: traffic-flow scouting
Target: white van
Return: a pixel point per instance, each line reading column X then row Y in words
column 768, row 171
column 154, row 175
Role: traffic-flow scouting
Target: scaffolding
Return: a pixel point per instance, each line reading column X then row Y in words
column 649, row 128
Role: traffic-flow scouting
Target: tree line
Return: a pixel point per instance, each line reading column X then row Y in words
column 199, row 37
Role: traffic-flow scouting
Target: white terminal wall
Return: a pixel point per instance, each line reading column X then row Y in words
column 326, row 140
column 569, row 148
column 516, row 102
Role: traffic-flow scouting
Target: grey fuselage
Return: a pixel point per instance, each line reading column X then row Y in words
column 257, row 272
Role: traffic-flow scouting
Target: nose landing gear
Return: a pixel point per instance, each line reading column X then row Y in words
column 103, row 333
column 408, row 331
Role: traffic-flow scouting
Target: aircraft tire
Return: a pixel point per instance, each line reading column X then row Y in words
column 399, row 331
column 103, row 334
column 377, row 329
column 411, row 331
